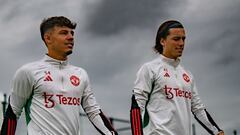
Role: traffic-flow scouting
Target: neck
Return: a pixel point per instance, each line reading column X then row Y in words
column 175, row 58
column 57, row 57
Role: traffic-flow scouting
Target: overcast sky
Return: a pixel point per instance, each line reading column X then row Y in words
column 115, row 37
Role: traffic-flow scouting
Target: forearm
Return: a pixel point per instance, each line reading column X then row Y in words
column 141, row 98
column 103, row 125
column 135, row 118
column 9, row 122
column 204, row 118
column 201, row 115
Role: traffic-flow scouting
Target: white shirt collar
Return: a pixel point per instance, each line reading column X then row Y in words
column 173, row 62
column 53, row 61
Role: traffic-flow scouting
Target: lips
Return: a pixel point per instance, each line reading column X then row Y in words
column 70, row 45
column 179, row 49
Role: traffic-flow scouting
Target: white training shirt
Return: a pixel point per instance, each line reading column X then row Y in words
column 173, row 95
column 52, row 92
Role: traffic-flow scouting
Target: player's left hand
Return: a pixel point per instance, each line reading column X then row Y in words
column 114, row 133
column 221, row 133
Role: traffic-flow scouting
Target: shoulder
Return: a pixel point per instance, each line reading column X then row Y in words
column 154, row 62
column 150, row 68
column 25, row 72
column 77, row 69
column 185, row 69
column 29, row 66
column 153, row 65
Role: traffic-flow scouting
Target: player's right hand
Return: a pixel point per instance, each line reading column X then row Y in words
column 221, row 133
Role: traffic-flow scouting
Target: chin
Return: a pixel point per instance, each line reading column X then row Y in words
column 69, row 52
column 179, row 55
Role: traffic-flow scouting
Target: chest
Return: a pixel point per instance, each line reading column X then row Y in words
column 176, row 77
column 173, row 82
column 59, row 81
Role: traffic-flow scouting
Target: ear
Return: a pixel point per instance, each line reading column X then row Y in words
column 47, row 38
column 162, row 42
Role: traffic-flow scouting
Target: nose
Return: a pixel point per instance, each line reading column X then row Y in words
column 70, row 36
column 181, row 42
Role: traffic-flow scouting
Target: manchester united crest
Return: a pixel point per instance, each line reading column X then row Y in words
column 75, row 80
column 186, row 78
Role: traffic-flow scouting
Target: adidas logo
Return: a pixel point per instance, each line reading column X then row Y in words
column 166, row 75
column 166, row 72
column 47, row 76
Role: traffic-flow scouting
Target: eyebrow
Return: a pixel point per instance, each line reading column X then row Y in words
column 64, row 30
column 175, row 35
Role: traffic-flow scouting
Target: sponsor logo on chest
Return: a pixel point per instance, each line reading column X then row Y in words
column 51, row 100
column 176, row 92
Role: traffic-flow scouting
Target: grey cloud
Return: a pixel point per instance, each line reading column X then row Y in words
column 109, row 57
column 116, row 38
column 218, row 33
column 113, row 16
